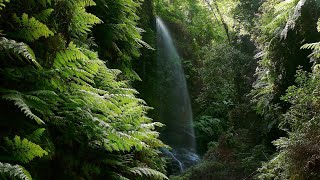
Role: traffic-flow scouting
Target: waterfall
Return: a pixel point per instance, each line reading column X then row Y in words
column 175, row 108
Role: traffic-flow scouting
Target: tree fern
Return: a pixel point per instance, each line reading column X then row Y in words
column 314, row 46
column 293, row 17
column 14, row 171
column 30, row 28
column 286, row 14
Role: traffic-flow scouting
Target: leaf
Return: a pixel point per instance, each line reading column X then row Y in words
column 142, row 171
column 18, row 49
column 14, row 171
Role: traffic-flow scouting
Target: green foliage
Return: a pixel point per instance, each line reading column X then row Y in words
column 190, row 18
column 285, row 100
column 3, row 3
column 36, row 135
column 24, row 102
column 314, row 46
column 14, row 171
column 70, row 54
column 245, row 13
column 282, row 28
column 286, row 14
column 44, row 15
column 30, row 29
column 220, row 75
column 18, row 49
column 148, row 172
column 82, row 22
column 21, row 150
column 207, row 170
column 95, row 126
column 208, row 126
column 124, row 38
column 298, row 156
column 24, row 150
column 220, row 69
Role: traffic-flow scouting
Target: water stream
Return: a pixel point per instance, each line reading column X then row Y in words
column 175, row 107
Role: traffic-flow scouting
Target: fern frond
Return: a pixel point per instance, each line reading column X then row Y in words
column 44, row 15
column 36, row 135
column 86, row 3
column 291, row 22
column 14, row 171
column 2, row 3
column 44, row 3
column 24, row 150
column 30, row 28
column 118, row 176
column 286, row 15
column 20, row 101
column 43, row 93
column 313, row 46
column 64, row 57
column 143, row 44
column 82, row 22
column 18, row 49
column 142, row 171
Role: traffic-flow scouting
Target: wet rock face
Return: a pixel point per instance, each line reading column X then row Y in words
column 180, row 160
column 186, row 157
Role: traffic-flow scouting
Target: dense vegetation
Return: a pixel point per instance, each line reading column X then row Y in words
column 253, row 83
column 69, row 70
column 64, row 113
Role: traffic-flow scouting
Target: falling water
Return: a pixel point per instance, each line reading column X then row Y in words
column 175, row 107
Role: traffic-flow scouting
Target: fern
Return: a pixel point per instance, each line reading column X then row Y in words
column 314, row 46
column 44, row 15
column 64, row 57
column 2, row 3
column 44, row 3
column 286, row 14
column 24, row 150
column 293, row 17
column 31, row 29
column 85, row 3
column 18, row 49
column 142, row 171
column 76, row 95
column 82, row 21
column 143, row 44
column 14, row 171
column 36, row 135
column 21, row 100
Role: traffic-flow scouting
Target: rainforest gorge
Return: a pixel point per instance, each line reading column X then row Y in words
column 160, row 89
